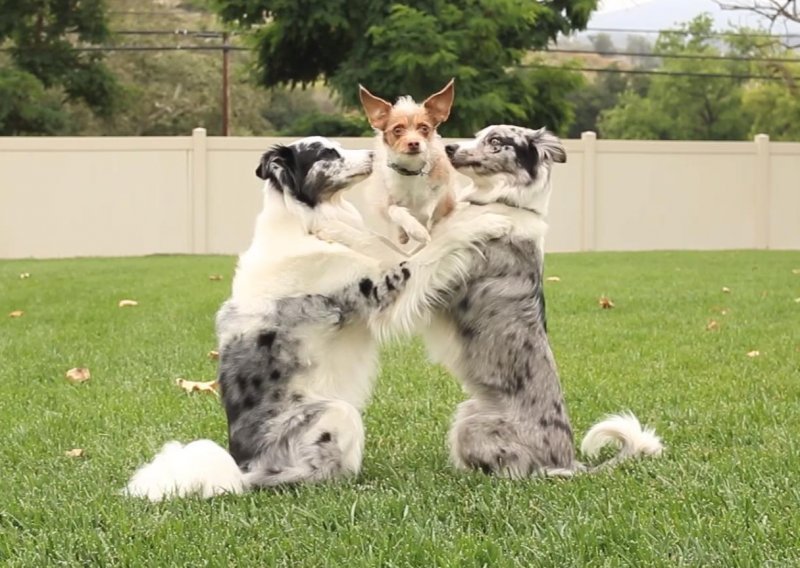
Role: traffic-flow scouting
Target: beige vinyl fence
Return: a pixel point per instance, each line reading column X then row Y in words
column 64, row 197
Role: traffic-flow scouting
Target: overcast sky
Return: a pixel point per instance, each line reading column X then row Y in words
column 611, row 5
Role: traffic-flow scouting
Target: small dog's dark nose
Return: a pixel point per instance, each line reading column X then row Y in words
column 450, row 149
column 413, row 145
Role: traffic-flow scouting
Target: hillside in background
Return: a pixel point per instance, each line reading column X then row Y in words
column 662, row 14
column 172, row 92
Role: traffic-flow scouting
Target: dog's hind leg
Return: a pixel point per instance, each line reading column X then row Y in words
column 319, row 441
column 494, row 440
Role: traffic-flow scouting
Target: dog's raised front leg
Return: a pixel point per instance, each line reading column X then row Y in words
column 360, row 240
column 403, row 218
column 369, row 296
column 438, row 269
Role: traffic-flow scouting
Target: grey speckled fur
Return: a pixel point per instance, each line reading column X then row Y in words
column 268, row 423
column 516, row 422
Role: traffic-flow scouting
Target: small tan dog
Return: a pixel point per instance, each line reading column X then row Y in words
column 410, row 164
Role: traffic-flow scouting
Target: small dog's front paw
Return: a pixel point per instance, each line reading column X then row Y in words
column 402, row 237
column 421, row 235
column 326, row 235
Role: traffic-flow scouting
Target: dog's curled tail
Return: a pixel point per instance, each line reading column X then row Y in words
column 627, row 433
column 202, row 467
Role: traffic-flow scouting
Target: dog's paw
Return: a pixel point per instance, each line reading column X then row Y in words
column 391, row 284
column 328, row 234
column 402, row 237
column 418, row 233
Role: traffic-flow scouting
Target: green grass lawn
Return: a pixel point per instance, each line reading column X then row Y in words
column 724, row 494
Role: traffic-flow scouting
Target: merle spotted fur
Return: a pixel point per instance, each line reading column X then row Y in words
column 268, row 409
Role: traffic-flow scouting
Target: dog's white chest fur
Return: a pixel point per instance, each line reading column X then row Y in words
column 415, row 193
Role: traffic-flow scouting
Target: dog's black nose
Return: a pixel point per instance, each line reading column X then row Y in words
column 450, row 149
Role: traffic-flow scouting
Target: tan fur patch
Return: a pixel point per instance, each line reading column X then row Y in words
column 404, row 128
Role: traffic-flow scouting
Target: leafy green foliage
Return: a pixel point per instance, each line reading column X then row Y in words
column 698, row 107
column 415, row 47
column 316, row 123
column 684, row 107
column 26, row 107
column 604, row 92
column 43, row 36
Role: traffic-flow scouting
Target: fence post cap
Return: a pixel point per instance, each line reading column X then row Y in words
column 588, row 135
column 198, row 131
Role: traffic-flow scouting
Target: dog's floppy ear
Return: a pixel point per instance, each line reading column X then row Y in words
column 439, row 104
column 376, row 108
column 549, row 146
column 278, row 165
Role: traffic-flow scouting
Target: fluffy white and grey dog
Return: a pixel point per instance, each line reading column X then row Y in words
column 489, row 329
column 297, row 358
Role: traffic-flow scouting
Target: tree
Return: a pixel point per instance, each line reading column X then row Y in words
column 26, row 107
column 602, row 43
column 640, row 44
column 602, row 93
column 43, row 36
column 771, row 105
column 777, row 12
column 690, row 103
column 415, row 47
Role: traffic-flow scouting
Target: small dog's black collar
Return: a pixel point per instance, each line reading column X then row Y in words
column 506, row 202
column 406, row 172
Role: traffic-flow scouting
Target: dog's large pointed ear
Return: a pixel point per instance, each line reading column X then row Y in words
column 376, row 108
column 439, row 104
column 278, row 165
column 549, row 146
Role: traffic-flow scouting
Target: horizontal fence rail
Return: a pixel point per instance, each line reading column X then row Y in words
column 66, row 197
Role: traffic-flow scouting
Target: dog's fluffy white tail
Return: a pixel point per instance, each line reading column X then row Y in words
column 625, row 431
column 202, row 468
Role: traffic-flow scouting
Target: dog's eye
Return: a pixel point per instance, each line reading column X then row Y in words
column 495, row 142
column 424, row 129
column 329, row 154
column 398, row 130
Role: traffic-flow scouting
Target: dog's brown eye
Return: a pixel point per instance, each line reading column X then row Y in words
column 423, row 129
column 398, row 130
column 494, row 141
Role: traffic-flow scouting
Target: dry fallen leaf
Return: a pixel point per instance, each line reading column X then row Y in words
column 753, row 353
column 126, row 303
column 605, row 302
column 191, row 386
column 16, row 314
column 78, row 375
column 24, row 275
column 213, row 355
column 553, row 279
column 712, row 325
column 726, row 290
column 215, row 277
column 75, row 453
